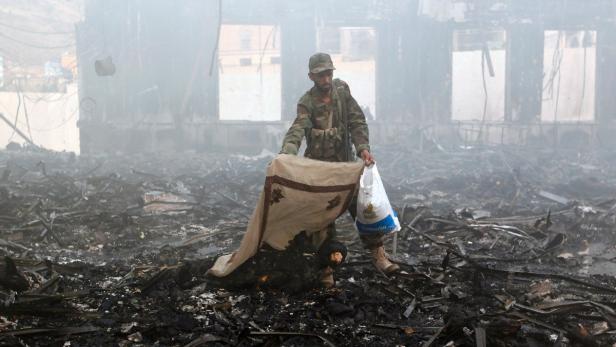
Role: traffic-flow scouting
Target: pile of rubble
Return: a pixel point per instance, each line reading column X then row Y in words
column 499, row 247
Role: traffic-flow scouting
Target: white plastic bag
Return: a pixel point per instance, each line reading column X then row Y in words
column 374, row 212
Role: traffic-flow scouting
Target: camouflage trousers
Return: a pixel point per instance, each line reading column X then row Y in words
column 369, row 241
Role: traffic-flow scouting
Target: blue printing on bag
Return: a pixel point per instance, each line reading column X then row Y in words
column 385, row 225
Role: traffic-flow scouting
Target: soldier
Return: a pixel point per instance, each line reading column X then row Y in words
column 328, row 116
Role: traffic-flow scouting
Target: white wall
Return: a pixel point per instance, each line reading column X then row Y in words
column 53, row 119
column 467, row 86
column 576, row 98
column 247, row 93
column 360, row 75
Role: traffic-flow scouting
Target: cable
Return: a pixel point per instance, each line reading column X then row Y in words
column 72, row 45
column 485, row 88
column 557, row 97
column 63, row 122
column 60, row 125
column 260, row 67
column 583, row 79
column 26, row 114
column 485, row 93
column 47, row 98
column 16, row 118
column 557, row 58
column 269, row 36
column 562, row 19
column 37, row 32
column 13, row 58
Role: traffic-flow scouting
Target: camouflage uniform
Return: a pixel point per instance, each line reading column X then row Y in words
column 325, row 127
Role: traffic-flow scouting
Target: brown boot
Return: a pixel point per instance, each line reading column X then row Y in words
column 327, row 277
column 379, row 259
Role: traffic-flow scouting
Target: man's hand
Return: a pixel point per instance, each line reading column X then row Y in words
column 367, row 157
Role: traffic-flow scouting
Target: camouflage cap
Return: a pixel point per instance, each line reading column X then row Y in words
column 320, row 62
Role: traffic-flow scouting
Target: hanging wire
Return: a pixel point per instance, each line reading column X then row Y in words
column 62, row 123
column 557, row 58
column 561, row 47
column 37, row 32
column 584, row 65
column 271, row 34
column 26, row 114
column 557, row 85
column 16, row 118
column 32, row 45
column 485, row 94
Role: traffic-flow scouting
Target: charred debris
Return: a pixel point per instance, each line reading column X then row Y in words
column 499, row 247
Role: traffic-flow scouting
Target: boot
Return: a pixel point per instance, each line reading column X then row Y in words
column 327, row 277
column 379, row 259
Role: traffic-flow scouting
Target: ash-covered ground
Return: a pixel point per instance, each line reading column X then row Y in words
column 500, row 246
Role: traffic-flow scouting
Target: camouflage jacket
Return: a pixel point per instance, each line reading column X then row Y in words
column 326, row 126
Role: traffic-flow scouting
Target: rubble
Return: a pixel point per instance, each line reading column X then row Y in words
column 499, row 247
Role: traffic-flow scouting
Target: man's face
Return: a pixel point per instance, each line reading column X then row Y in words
column 322, row 80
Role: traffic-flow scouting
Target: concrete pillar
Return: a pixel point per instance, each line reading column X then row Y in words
column 524, row 80
column 413, row 70
column 605, row 102
column 389, row 72
column 434, row 55
column 208, row 87
column 298, row 41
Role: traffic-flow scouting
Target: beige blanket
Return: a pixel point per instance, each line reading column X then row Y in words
column 299, row 194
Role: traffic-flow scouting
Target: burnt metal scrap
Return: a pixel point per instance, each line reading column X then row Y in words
column 499, row 247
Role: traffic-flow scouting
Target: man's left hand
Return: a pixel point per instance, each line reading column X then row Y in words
column 367, row 157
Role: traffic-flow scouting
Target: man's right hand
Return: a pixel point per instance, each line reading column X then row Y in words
column 367, row 157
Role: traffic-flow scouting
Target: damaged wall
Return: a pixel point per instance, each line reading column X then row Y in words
column 162, row 66
column 162, row 93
